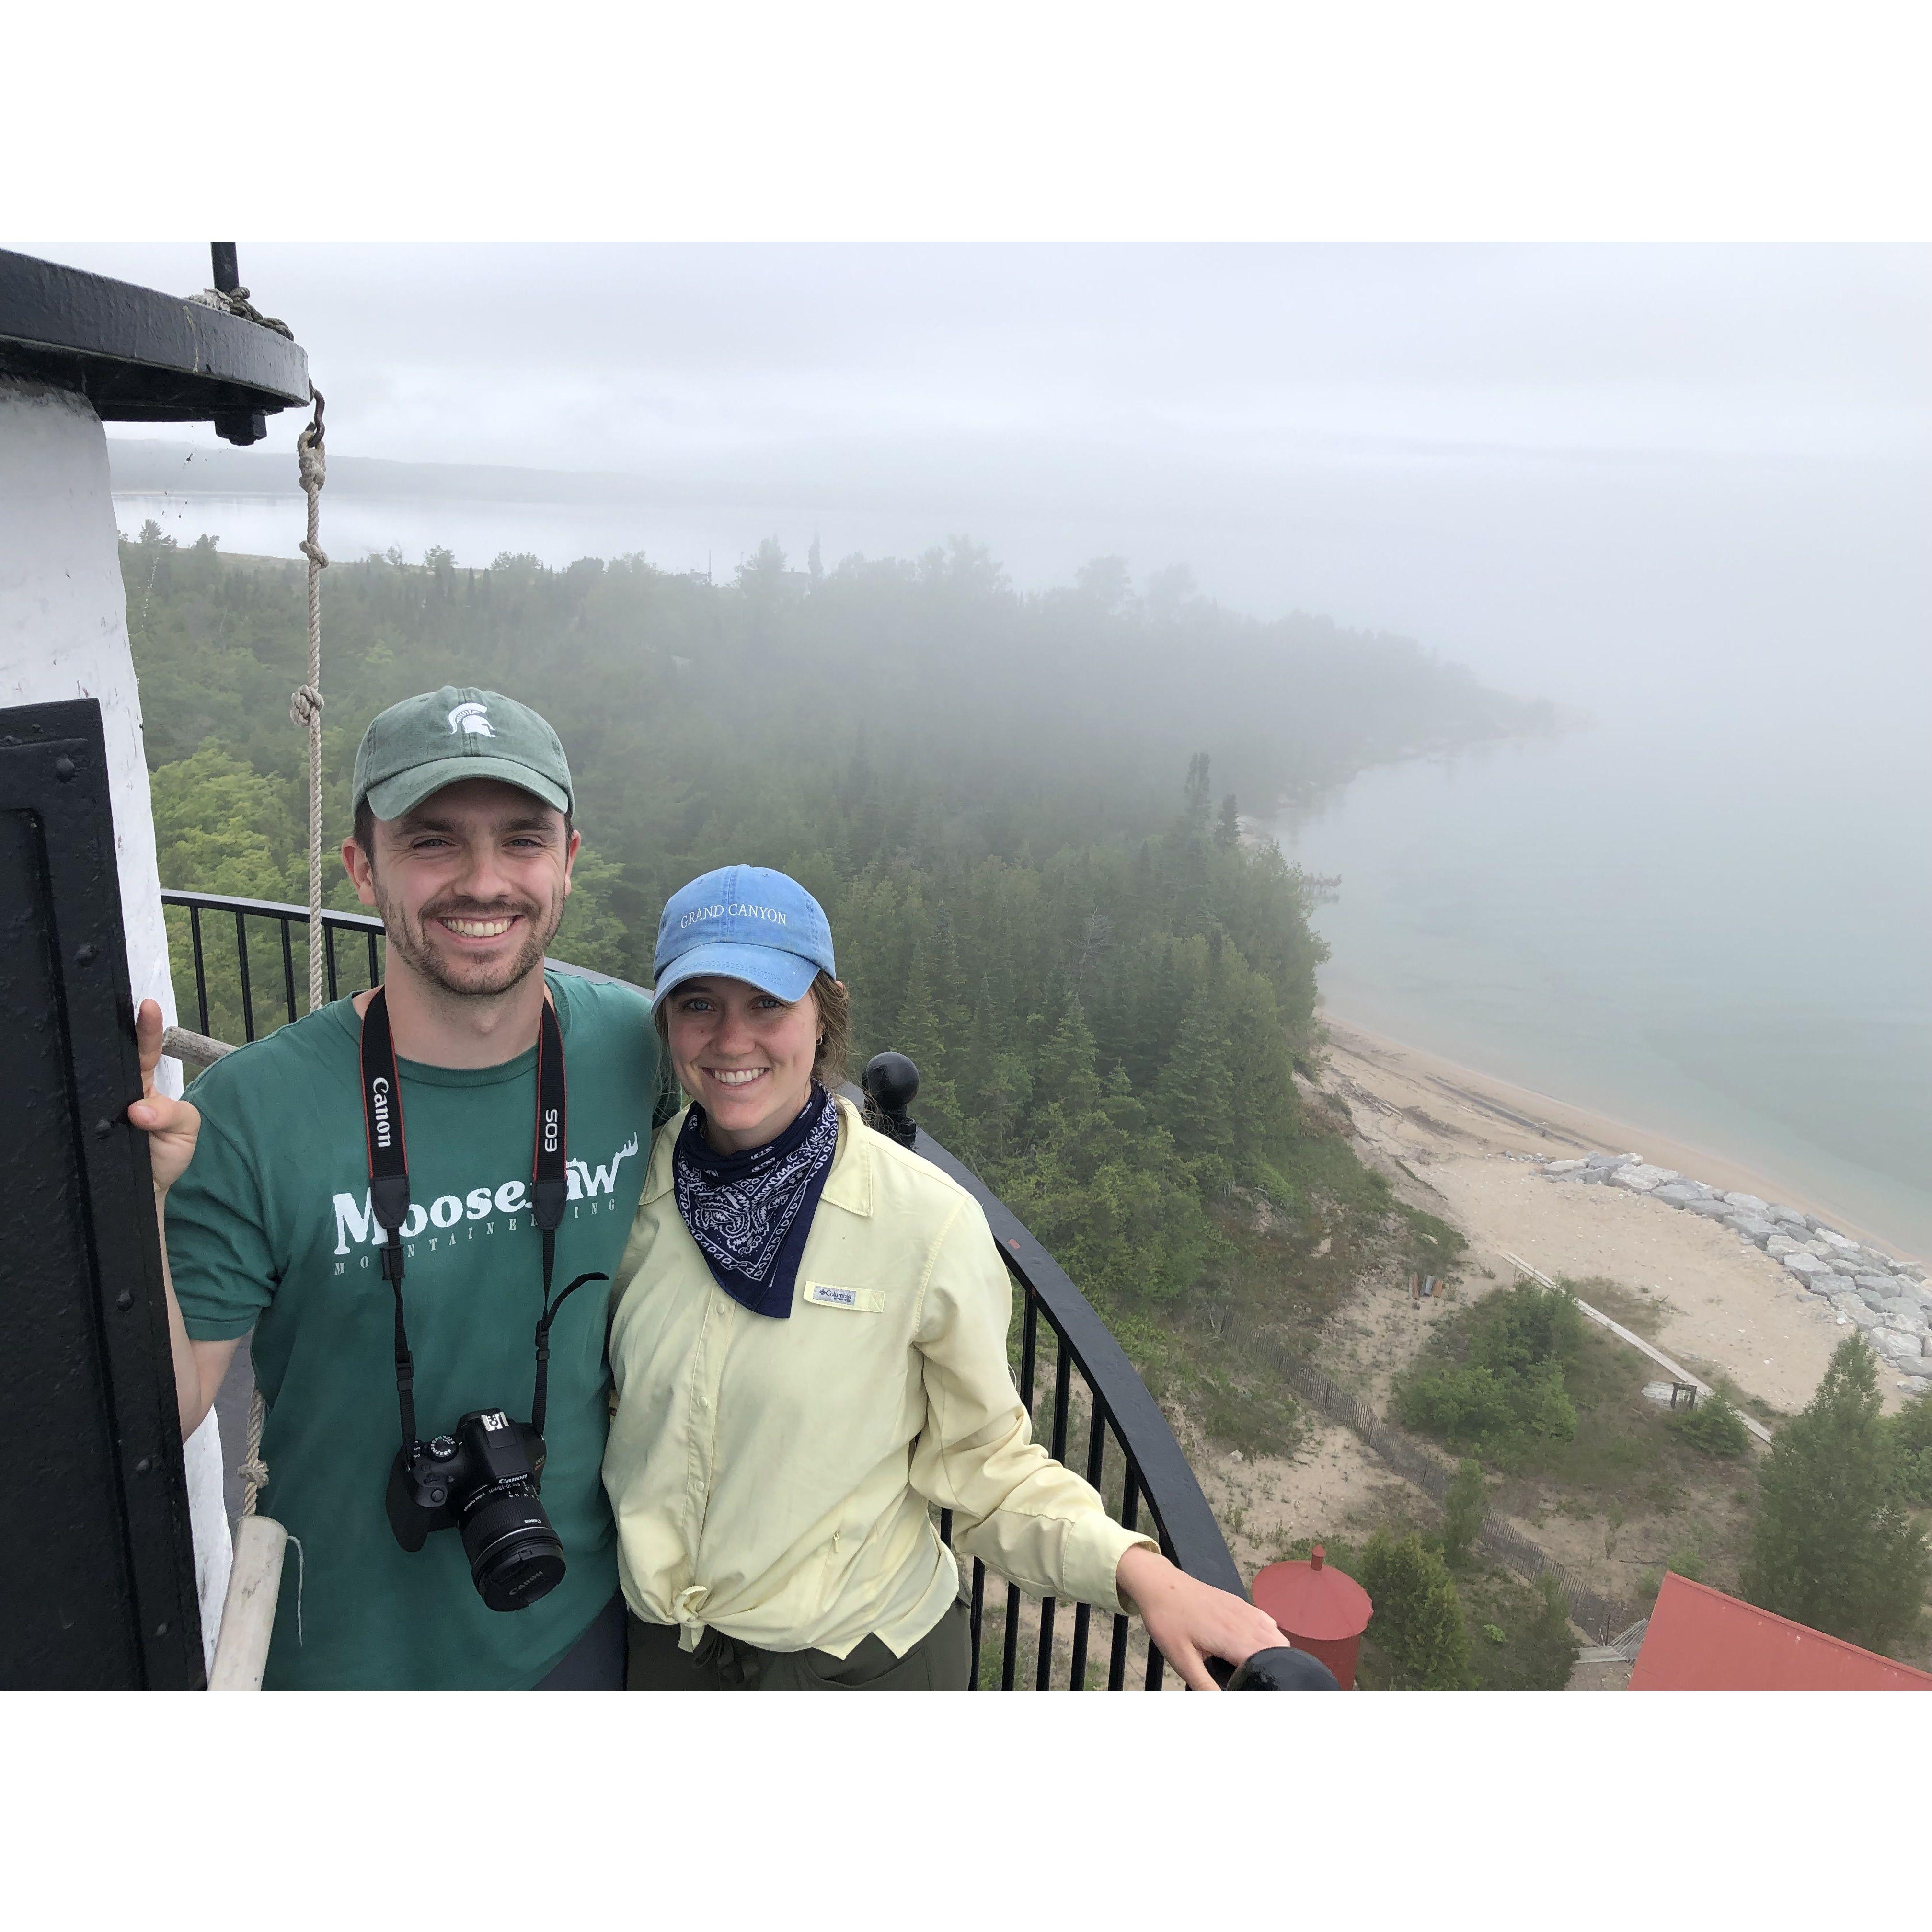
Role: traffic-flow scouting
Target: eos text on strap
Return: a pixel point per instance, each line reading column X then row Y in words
column 484, row 1478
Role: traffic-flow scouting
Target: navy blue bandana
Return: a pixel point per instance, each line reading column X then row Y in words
column 749, row 1213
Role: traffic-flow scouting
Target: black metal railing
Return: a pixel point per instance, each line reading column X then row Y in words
column 1098, row 1401
column 211, row 937
column 1098, row 1406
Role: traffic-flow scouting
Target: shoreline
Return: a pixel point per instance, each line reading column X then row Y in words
column 1543, row 1117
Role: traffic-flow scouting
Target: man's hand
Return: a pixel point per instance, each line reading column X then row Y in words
column 1190, row 1621
column 172, row 1126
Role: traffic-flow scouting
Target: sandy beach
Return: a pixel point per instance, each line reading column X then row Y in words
column 1462, row 1143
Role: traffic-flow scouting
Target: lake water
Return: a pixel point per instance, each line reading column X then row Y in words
column 1715, row 923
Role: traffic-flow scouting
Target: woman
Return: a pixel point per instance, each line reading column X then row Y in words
column 808, row 1344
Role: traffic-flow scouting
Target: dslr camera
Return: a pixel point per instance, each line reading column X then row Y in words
column 483, row 1480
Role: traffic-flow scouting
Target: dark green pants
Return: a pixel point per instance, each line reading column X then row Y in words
column 939, row 1661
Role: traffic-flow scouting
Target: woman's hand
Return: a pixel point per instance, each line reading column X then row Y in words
column 1190, row 1621
column 172, row 1126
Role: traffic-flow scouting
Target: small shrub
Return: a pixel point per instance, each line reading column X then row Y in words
column 1686, row 1562
column 1495, row 1633
column 1474, row 1407
column 1464, row 1508
column 1713, row 1425
column 1507, row 1390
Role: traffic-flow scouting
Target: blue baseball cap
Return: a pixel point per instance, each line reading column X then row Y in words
column 744, row 923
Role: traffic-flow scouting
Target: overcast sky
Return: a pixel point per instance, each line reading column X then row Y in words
column 1518, row 453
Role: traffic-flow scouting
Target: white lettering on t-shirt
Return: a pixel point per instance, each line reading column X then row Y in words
column 356, row 1225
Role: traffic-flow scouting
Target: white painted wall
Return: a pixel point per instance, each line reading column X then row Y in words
column 64, row 635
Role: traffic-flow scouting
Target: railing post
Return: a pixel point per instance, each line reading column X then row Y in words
column 891, row 1085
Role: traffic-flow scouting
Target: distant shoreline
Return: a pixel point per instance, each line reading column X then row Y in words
column 1587, row 1129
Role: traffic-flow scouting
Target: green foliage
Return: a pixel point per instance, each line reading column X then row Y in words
column 1103, row 984
column 219, row 822
column 1418, row 1624
column 1712, row 1426
column 592, row 934
column 1528, row 1644
column 1445, row 1245
column 1687, row 1561
column 1464, row 1508
column 1832, row 1544
column 1910, row 1434
column 1507, row 1387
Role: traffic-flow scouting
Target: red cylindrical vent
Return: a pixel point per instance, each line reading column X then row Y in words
column 1319, row 1610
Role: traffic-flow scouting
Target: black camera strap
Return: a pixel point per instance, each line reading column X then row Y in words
column 550, row 1189
column 388, row 1181
column 389, row 1186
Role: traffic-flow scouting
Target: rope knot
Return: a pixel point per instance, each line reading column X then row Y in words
column 253, row 1471
column 314, row 552
column 309, row 463
column 305, row 706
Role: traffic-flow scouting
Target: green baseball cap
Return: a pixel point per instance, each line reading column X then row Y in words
column 439, row 739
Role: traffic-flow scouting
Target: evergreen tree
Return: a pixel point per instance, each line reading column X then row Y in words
column 1910, row 1431
column 1065, row 1072
column 592, row 933
column 1832, row 1545
column 1198, row 791
column 1196, row 1093
column 1550, row 1645
column 997, row 1084
column 1418, row 1624
column 921, row 1037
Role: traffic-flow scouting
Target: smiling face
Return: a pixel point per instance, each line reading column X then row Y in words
column 471, row 885
column 744, row 1056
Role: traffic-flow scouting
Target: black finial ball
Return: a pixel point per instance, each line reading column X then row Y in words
column 892, row 1082
column 1283, row 1669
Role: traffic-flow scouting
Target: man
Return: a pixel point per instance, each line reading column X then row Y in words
column 463, row 843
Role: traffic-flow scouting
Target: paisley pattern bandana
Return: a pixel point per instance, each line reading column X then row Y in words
column 749, row 1213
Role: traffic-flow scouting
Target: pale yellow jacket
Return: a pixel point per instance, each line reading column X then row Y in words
column 770, row 1479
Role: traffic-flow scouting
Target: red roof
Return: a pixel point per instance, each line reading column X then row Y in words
column 1701, row 1640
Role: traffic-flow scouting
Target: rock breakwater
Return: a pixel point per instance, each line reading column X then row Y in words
column 1889, row 1300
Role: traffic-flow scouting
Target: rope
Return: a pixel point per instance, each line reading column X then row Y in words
column 253, row 1471
column 305, row 702
column 235, row 301
column 305, row 711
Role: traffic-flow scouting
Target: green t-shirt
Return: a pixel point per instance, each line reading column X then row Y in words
column 270, row 1229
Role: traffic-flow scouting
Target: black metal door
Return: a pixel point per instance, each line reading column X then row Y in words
column 96, row 1588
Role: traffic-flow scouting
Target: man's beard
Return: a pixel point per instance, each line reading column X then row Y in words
column 468, row 979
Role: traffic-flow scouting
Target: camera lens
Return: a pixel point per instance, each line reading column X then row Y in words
column 515, row 1557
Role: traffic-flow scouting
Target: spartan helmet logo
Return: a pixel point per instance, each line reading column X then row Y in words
column 472, row 717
